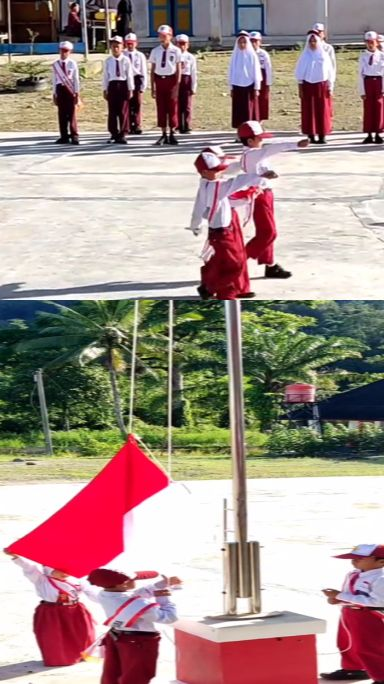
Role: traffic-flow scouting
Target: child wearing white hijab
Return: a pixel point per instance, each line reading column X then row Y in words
column 245, row 78
column 371, row 88
column 315, row 76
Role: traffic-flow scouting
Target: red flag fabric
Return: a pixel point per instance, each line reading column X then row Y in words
column 88, row 532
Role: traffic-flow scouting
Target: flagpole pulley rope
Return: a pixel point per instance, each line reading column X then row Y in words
column 133, row 364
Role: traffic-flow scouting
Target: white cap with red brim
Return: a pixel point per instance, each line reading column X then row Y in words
column 252, row 129
column 182, row 38
column 318, row 27
column 255, row 35
column 370, row 35
column 66, row 45
column 117, row 39
column 364, row 551
column 165, row 30
column 208, row 161
column 131, row 38
column 380, row 38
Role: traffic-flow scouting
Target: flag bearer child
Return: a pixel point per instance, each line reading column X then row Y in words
column 261, row 247
column 63, row 626
column 225, row 273
column 140, row 75
column 371, row 88
column 66, row 89
column 188, row 84
column 361, row 628
column 165, row 63
column 118, row 87
column 132, row 643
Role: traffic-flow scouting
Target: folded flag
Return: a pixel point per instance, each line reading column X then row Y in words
column 95, row 526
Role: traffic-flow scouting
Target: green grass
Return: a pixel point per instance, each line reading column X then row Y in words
column 186, row 466
column 35, row 112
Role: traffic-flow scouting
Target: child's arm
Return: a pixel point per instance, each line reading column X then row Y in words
column 361, row 77
column 253, row 157
column 130, row 78
column 243, row 180
column 268, row 70
column 372, row 599
column 90, row 591
column 144, row 72
column 30, row 570
column 105, row 80
column 76, row 81
column 164, row 613
column 194, row 74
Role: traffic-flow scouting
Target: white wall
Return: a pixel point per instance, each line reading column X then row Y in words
column 355, row 16
column 290, row 17
column 140, row 17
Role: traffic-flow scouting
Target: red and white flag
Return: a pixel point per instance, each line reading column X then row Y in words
column 95, row 526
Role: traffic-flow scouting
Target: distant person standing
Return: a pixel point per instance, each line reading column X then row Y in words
column 124, row 17
column 165, row 63
column 74, row 27
column 315, row 77
column 371, row 88
column 245, row 79
column 118, row 86
column 327, row 47
column 140, row 75
column 267, row 74
column 66, row 94
column 188, row 84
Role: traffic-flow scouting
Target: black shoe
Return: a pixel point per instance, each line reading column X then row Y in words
column 75, row 140
column 345, row 675
column 188, row 130
column 172, row 139
column 138, row 131
column 321, row 140
column 368, row 140
column 378, row 139
column 203, row 292
column 312, row 139
column 276, row 271
column 163, row 140
column 246, row 295
column 62, row 141
column 111, row 141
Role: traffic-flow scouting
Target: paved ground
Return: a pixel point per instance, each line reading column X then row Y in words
column 94, row 221
column 300, row 524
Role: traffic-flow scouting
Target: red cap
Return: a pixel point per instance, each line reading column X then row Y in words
column 209, row 161
column 107, row 579
column 364, row 551
column 252, row 129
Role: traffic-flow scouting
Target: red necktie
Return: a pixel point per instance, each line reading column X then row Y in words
column 130, row 56
column 117, row 69
column 370, row 60
column 64, row 67
column 164, row 59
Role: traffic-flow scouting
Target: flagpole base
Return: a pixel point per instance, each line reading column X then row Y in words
column 243, row 649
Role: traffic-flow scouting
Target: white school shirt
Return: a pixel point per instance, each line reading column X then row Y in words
column 47, row 591
column 252, row 159
column 266, row 64
column 139, row 65
column 173, row 57
column 367, row 591
column 72, row 73
column 367, row 69
column 153, row 610
column 217, row 210
column 189, row 68
column 126, row 71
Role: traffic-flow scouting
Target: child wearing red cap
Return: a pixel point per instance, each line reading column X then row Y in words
column 132, row 643
column 225, row 273
column 261, row 247
column 140, row 76
column 361, row 629
column 63, row 626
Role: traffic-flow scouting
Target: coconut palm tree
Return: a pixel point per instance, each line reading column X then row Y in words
column 96, row 332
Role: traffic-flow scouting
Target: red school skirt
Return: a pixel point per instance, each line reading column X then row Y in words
column 316, row 109
column 63, row 632
column 373, row 105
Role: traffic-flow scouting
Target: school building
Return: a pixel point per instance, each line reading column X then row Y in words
column 200, row 18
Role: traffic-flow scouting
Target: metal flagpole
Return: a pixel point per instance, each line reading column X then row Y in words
column 171, row 311
column 108, row 25
column 133, row 364
column 9, row 29
column 84, row 28
column 38, row 378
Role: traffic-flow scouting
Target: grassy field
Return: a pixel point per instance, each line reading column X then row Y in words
column 186, row 466
column 35, row 112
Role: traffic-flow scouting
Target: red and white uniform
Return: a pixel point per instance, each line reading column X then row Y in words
column 165, row 61
column 132, row 644
column 66, row 88
column 188, row 88
column 371, row 85
column 261, row 247
column 267, row 74
column 316, row 76
column 63, row 626
column 118, row 82
column 361, row 629
column 245, row 78
column 225, row 273
column 140, row 76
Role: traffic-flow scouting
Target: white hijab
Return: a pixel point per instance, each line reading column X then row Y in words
column 244, row 67
column 313, row 66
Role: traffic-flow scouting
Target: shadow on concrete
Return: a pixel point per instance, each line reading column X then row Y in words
column 15, row 670
column 144, row 146
column 14, row 291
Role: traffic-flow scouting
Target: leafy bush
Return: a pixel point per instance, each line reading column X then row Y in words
column 32, row 69
column 336, row 440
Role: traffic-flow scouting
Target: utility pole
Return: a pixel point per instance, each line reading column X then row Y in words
column 38, row 378
column 323, row 13
column 216, row 30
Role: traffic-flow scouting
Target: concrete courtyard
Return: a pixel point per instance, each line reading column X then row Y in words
column 300, row 523
column 97, row 221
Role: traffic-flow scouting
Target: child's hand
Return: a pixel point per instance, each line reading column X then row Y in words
column 174, row 581
column 303, row 143
column 331, row 593
column 333, row 601
column 269, row 174
column 162, row 592
column 8, row 553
